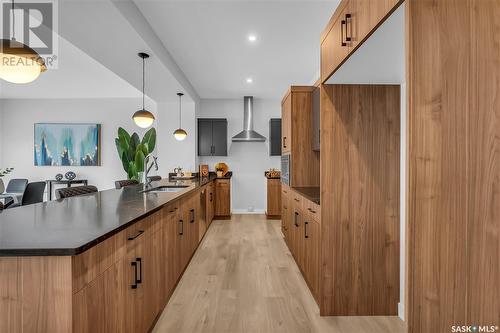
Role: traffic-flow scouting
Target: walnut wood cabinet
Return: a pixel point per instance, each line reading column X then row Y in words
column 297, row 131
column 350, row 25
column 273, row 198
column 223, row 198
column 301, row 229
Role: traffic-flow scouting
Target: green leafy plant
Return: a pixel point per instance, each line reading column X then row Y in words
column 132, row 150
column 4, row 172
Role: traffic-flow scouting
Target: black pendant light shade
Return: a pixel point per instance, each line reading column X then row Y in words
column 143, row 118
column 179, row 133
column 19, row 63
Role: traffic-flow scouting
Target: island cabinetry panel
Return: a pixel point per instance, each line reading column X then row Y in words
column 223, row 198
column 210, row 203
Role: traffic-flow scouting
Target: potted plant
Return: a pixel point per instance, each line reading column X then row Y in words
column 133, row 151
column 4, row 172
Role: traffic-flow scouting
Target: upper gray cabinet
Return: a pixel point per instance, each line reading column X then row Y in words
column 275, row 137
column 212, row 137
column 316, row 123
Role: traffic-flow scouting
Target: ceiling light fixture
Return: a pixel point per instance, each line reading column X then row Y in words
column 143, row 118
column 252, row 38
column 249, row 80
column 19, row 63
column 179, row 133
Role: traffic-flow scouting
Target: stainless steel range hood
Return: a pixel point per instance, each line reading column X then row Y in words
column 248, row 134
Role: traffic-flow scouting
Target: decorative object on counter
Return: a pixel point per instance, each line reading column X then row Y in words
column 24, row 63
column 178, row 172
column 221, row 166
column 273, row 173
column 133, row 151
column 67, row 144
column 179, row 133
column 59, row 176
column 204, row 170
column 70, row 175
column 220, row 172
column 143, row 118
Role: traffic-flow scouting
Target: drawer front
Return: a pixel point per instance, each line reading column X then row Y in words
column 312, row 210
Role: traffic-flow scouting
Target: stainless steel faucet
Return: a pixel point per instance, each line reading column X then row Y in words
column 145, row 180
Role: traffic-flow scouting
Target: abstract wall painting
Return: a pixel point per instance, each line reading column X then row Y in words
column 67, row 144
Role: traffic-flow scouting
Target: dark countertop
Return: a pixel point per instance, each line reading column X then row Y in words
column 311, row 193
column 73, row 225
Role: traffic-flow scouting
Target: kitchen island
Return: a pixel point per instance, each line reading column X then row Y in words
column 102, row 262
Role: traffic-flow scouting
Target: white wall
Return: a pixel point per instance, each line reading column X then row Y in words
column 173, row 153
column 247, row 160
column 16, row 133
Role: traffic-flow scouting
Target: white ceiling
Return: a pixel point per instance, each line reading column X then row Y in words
column 208, row 40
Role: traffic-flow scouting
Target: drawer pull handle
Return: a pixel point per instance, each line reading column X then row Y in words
column 348, row 22
column 140, row 232
column 296, row 219
column 134, row 285
column 342, row 23
column 296, row 199
column 182, row 227
column 139, row 280
column 305, row 229
column 311, row 210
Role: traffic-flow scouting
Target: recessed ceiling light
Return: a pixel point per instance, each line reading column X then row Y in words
column 249, row 80
column 252, row 38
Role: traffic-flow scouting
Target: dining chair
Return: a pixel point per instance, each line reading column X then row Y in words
column 68, row 192
column 14, row 191
column 32, row 194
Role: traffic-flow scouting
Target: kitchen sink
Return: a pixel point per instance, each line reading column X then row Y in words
column 167, row 188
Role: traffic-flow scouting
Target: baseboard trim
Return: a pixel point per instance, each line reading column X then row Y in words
column 244, row 211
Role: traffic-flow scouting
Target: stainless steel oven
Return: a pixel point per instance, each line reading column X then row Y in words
column 285, row 169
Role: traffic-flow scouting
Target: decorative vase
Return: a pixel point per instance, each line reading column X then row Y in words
column 70, row 175
column 219, row 174
column 59, row 177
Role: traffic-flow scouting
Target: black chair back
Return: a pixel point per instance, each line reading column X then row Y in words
column 33, row 193
column 16, row 186
column 67, row 192
column 127, row 182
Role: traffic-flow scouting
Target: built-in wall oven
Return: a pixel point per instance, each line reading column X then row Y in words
column 285, row 169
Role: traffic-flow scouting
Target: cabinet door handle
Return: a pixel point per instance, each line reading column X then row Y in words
column 342, row 43
column 348, row 21
column 136, row 235
column 295, row 219
column 139, row 280
column 305, row 229
column 182, row 227
column 192, row 216
column 211, row 196
column 134, row 285
column 284, row 142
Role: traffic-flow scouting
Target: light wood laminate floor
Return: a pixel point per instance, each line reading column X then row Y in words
column 243, row 278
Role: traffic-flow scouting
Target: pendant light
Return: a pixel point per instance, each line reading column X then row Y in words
column 143, row 118
column 19, row 63
column 179, row 133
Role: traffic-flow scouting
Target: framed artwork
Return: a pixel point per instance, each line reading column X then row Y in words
column 67, row 144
